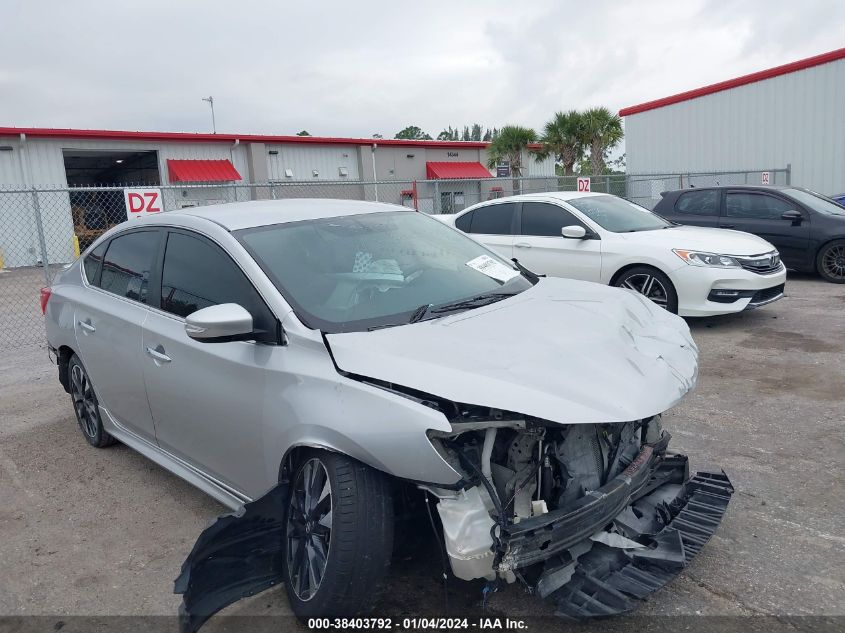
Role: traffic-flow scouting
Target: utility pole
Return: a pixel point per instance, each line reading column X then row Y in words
column 210, row 100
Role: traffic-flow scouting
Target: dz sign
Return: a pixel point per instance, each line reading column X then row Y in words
column 141, row 202
column 583, row 184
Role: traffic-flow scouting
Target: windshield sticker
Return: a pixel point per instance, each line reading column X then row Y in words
column 492, row 268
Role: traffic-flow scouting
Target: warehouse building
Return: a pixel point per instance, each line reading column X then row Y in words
column 196, row 169
column 792, row 115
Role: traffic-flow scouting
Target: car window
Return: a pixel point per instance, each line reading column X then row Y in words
column 618, row 215
column 705, row 202
column 817, row 202
column 127, row 264
column 544, row 219
column 351, row 273
column 463, row 222
column 496, row 219
column 197, row 274
column 91, row 263
column 744, row 204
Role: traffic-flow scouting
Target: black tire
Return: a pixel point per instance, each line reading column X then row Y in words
column 659, row 287
column 830, row 262
column 359, row 543
column 85, row 405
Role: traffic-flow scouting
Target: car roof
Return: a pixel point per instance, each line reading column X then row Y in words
column 242, row 215
column 749, row 187
column 540, row 196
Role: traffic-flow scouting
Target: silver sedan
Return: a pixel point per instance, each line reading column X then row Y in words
column 319, row 365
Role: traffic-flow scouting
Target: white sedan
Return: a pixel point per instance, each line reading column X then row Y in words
column 689, row 270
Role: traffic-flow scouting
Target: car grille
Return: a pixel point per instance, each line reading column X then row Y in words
column 762, row 264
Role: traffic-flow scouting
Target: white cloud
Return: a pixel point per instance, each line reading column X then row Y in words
column 339, row 68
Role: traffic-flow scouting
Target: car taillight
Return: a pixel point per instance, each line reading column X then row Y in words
column 45, row 297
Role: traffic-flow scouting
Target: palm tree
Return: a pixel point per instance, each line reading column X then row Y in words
column 603, row 131
column 509, row 145
column 564, row 138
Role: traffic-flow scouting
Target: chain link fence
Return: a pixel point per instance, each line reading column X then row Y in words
column 43, row 228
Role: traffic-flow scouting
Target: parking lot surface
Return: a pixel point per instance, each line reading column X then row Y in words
column 104, row 532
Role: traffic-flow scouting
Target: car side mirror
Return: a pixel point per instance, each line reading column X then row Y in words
column 574, row 232
column 792, row 216
column 220, row 324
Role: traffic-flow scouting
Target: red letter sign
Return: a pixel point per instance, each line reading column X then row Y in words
column 583, row 184
column 141, row 202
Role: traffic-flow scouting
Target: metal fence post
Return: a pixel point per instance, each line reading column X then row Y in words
column 436, row 205
column 788, row 174
column 42, row 244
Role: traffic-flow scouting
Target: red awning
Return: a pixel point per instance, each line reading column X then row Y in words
column 456, row 170
column 202, row 171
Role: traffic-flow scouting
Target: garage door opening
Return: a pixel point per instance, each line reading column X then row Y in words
column 95, row 211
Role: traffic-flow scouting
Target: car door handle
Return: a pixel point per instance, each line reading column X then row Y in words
column 87, row 326
column 522, row 245
column 158, row 355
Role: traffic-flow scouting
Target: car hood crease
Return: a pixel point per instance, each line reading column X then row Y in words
column 566, row 351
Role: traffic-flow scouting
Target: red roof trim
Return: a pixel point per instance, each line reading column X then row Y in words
column 123, row 135
column 792, row 67
column 202, row 171
column 456, row 170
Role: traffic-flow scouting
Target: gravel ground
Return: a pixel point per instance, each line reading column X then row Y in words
column 104, row 532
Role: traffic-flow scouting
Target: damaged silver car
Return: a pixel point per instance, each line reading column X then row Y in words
column 314, row 364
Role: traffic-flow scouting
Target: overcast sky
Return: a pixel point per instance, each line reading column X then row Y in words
column 359, row 68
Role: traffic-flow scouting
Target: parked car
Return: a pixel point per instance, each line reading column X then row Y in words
column 807, row 228
column 606, row 239
column 319, row 362
column 838, row 198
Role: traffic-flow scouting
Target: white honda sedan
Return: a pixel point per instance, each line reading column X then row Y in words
column 688, row 270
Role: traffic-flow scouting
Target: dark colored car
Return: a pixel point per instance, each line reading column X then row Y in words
column 839, row 197
column 807, row 228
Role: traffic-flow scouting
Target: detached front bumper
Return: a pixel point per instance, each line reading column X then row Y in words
column 657, row 517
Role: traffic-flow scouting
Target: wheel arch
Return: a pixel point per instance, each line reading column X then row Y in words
column 615, row 276
column 63, row 355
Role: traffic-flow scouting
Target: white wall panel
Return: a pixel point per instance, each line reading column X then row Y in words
column 796, row 119
column 302, row 160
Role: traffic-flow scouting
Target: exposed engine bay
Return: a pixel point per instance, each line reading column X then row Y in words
column 554, row 505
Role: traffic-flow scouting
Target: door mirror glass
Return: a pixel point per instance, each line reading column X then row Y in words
column 574, row 232
column 792, row 215
column 219, row 324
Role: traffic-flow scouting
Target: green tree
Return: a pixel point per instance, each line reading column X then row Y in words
column 303, row 133
column 603, row 132
column 413, row 133
column 508, row 146
column 475, row 132
column 448, row 134
column 564, row 138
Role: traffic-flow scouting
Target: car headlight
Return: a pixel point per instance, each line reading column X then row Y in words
column 699, row 258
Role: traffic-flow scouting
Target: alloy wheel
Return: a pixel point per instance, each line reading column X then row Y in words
column 84, row 401
column 833, row 261
column 649, row 286
column 309, row 529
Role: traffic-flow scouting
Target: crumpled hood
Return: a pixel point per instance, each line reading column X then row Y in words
column 722, row 241
column 566, row 351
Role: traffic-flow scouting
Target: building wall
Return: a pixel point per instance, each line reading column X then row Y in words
column 796, row 119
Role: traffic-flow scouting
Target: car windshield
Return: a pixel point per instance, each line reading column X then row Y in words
column 816, row 201
column 359, row 272
column 618, row 215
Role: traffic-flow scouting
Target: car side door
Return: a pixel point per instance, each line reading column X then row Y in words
column 207, row 399
column 493, row 225
column 541, row 247
column 762, row 214
column 696, row 207
column 108, row 325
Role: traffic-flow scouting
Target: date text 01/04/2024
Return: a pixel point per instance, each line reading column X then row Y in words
column 410, row 624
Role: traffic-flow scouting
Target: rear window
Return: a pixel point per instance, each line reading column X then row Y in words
column 463, row 223
column 127, row 264
column 704, row 202
column 496, row 219
column 91, row 263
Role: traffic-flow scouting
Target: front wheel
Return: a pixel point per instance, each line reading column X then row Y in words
column 830, row 262
column 652, row 284
column 338, row 536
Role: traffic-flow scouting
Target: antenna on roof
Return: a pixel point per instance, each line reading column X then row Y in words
column 210, row 100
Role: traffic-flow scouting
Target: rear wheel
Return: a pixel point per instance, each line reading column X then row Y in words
column 338, row 536
column 85, row 405
column 830, row 262
column 652, row 284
